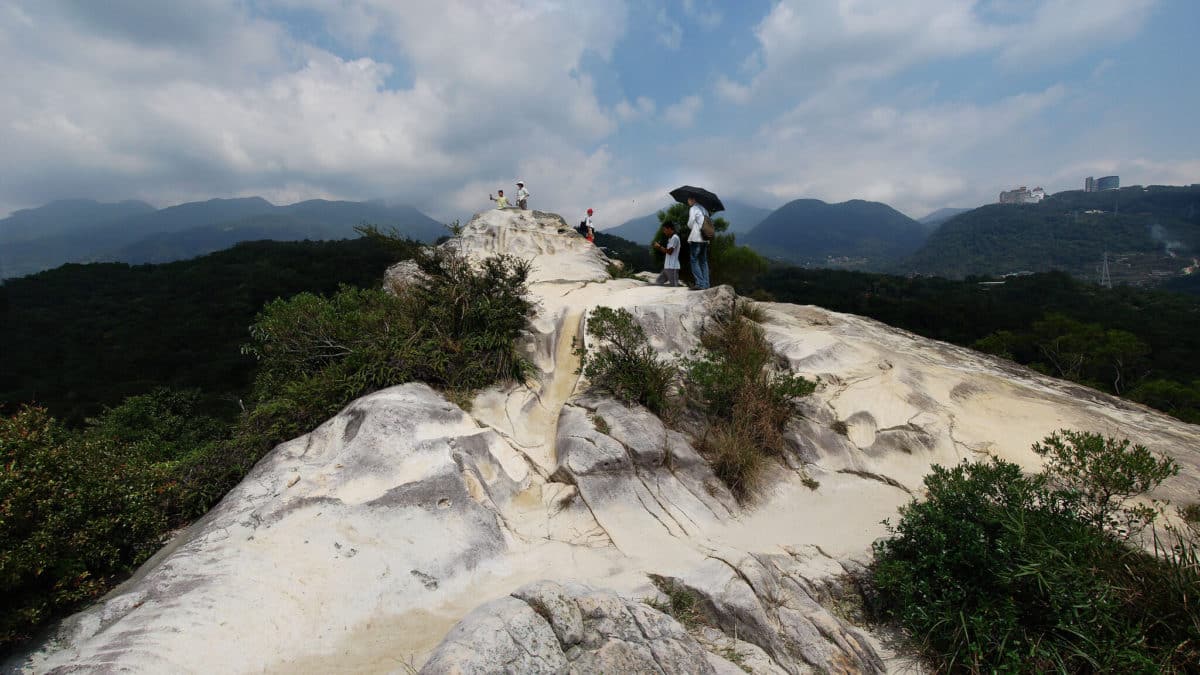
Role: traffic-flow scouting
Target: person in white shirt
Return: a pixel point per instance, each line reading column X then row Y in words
column 697, row 245
column 522, row 196
column 671, row 261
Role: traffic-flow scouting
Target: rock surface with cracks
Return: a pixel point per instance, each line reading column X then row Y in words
column 405, row 523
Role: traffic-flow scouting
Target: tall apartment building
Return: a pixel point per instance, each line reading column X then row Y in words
column 1100, row 184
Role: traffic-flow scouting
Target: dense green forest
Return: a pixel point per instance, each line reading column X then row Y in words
column 1127, row 341
column 81, row 337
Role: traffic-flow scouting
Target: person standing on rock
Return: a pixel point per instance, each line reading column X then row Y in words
column 697, row 245
column 522, row 196
column 500, row 199
column 589, row 231
column 671, row 259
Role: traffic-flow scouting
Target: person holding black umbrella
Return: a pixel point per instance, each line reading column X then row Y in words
column 700, row 203
column 697, row 244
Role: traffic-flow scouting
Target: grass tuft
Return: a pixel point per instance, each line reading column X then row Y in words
column 682, row 603
column 747, row 396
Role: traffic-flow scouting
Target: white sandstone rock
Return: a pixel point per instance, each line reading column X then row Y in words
column 410, row 516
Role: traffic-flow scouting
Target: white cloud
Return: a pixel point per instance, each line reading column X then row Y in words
column 703, row 12
column 641, row 108
column 1059, row 31
column 904, row 156
column 113, row 103
column 670, row 33
column 729, row 90
column 806, row 45
column 683, row 113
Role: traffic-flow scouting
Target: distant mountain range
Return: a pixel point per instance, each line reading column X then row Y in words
column 64, row 217
column 742, row 218
column 1150, row 234
column 134, row 232
column 857, row 233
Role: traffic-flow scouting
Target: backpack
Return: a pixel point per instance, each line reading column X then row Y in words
column 583, row 228
column 708, row 231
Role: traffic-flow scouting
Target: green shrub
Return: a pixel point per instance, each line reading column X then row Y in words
column 624, row 365
column 745, row 395
column 76, row 512
column 997, row 571
column 1102, row 474
column 455, row 329
column 162, row 425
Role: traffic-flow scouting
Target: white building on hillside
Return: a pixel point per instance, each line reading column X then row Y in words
column 1023, row 195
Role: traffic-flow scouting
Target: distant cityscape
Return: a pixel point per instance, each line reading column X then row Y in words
column 1023, row 195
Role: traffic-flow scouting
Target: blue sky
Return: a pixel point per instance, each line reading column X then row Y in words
column 605, row 103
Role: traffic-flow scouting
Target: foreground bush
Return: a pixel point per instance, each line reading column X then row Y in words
column 997, row 571
column 76, row 513
column 740, row 396
column 455, row 328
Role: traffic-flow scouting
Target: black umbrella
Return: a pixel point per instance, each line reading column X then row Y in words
column 703, row 197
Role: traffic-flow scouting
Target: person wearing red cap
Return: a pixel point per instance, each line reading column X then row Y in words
column 588, row 231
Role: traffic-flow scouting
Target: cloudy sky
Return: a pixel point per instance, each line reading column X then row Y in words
column 601, row 103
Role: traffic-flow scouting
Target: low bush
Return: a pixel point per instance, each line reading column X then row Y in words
column 998, row 571
column 622, row 363
column 746, row 396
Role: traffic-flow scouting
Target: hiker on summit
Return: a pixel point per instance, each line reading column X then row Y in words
column 586, row 229
column 500, row 199
column 522, row 196
column 697, row 245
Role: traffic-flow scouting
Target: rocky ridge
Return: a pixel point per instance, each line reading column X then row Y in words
column 537, row 531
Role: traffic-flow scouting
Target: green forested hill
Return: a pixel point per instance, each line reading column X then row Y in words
column 810, row 232
column 80, row 337
column 1059, row 233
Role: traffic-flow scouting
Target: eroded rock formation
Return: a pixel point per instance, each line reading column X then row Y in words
column 528, row 533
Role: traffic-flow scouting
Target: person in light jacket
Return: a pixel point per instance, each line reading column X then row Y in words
column 522, row 196
column 697, row 245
